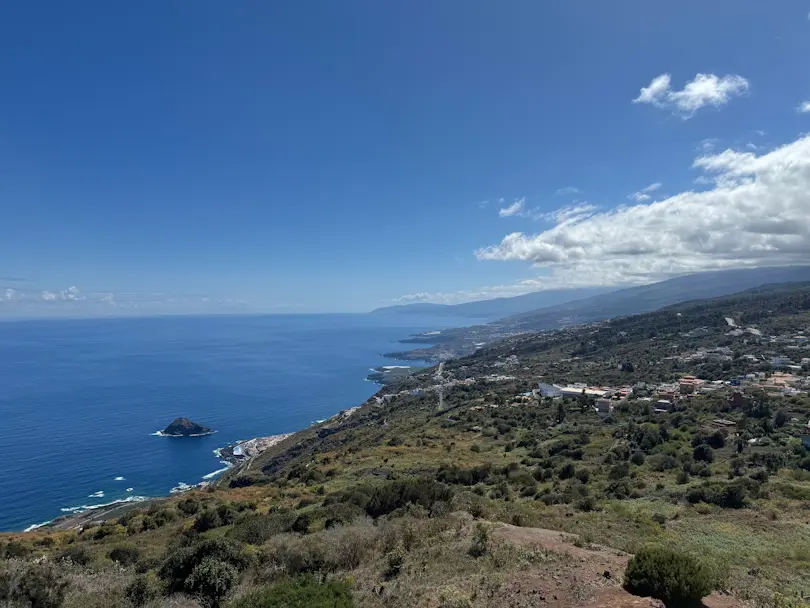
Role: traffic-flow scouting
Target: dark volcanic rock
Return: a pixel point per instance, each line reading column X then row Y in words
column 183, row 427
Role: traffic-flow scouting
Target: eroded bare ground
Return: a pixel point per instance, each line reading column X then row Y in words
column 590, row 578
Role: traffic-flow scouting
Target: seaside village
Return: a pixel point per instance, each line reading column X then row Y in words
column 784, row 372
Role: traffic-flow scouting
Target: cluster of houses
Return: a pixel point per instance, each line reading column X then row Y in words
column 664, row 396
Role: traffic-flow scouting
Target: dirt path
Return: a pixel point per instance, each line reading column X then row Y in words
column 588, row 577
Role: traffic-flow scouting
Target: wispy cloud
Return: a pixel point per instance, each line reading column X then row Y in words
column 804, row 107
column 71, row 301
column 756, row 212
column 566, row 190
column 571, row 213
column 71, row 293
column 644, row 194
column 516, row 208
column 703, row 90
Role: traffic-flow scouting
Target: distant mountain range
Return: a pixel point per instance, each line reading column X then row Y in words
column 647, row 298
column 630, row 301
column 496, row 308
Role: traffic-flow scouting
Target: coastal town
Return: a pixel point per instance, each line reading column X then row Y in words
column 743, row 361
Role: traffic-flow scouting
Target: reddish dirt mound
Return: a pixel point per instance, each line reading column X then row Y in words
column 583, row 577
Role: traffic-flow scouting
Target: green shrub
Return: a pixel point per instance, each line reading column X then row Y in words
column 207, row 520
column 227, row 514
column 243, row 481
column 728, row 496
column 143, row 589
column 397, row 494
column 77, row 554
column 675, row 578
column 189, row 506
column 302, row 592
column 178, row 566
column 704, row 453
column 256, row 529
column 301, row 524
column 619, row 471
column 394, row 561
column 211, row 580
column 14, row 549
column 126, row 555
column 480, row 540
column 36, row 585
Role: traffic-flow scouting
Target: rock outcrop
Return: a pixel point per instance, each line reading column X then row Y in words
column 183, row 427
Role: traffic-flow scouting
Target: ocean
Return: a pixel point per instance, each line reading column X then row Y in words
column 80, row 399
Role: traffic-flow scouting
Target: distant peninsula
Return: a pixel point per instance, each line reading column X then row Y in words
column 183, row 427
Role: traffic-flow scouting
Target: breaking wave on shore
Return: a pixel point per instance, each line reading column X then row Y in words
column 83, row 508
column 213, row 474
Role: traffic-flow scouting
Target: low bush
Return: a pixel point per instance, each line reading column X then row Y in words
column 394, row 561
column 144, row 589
column 40, row 585
column 207, row 520
column 256, row 529
column 189, row 506
column 728, row 496
column 675, row 578
column 77, row 554
column 14, row 549
column 480, row 541
column 178, row 566
column 394, row 495
column 126, row 555
column 211, row 580
column 462, row 476
column 302, row 592
column 704, row 453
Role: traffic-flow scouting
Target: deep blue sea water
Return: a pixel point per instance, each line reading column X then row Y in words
column 79, row 399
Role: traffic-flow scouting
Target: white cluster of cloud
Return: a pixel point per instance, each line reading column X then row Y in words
column 27, row 301
column 756, row 213
column 644, row 194
column 516, row 208
column 71, row 293
column 804, row 107
column 703, row 90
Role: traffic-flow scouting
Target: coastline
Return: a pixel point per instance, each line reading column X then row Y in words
column 233, row 457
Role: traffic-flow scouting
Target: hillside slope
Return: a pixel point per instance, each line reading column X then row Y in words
column 462, row 487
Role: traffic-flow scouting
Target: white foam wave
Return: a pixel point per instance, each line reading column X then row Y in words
column 35, row 526
column 119, row 479
column 213, row 474
column 99, row 494
column 162, row 434
column 180, row 487
column 130, row 489
column 82, row 508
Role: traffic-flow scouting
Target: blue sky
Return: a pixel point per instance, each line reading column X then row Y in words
column 264, row 156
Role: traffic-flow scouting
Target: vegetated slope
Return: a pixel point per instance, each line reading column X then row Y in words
column 398, row 503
